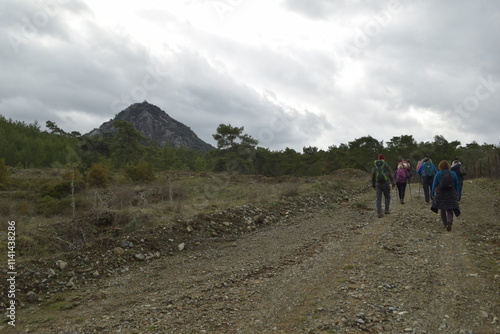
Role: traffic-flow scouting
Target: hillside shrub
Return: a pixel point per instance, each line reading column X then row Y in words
column 142, row 172
column 49, row 206
column 58, row 190
column 4, row 174
column 98, row 175
column 73, row 174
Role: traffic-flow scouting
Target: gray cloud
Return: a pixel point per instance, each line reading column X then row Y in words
column 424, row 59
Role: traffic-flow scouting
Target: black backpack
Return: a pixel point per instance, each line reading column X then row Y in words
column 446, row 182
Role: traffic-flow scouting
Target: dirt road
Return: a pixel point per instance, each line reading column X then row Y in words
column 338, row 269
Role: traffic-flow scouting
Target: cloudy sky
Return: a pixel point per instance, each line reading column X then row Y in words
column 294, row 73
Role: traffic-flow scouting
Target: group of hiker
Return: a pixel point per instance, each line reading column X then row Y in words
column 442, row 186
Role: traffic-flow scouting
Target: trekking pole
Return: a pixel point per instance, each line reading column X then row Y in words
column 420, row 184
column 409, row 188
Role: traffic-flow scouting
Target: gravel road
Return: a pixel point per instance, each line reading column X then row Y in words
column 331, row 269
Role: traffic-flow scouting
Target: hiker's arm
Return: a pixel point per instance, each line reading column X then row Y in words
column 419, row 169
column 455, row 181
column 435, row 183
column 389, row 173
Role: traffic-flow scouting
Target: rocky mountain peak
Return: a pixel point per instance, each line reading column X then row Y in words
column 156, row 125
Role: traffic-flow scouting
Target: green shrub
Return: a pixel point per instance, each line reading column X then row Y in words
column 73, row 174
column 23, row 208
column 142, row 172
column 4, row 173
column 98, row 175
column 58, row 190
column 49, row 206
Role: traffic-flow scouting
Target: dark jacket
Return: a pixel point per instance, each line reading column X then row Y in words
column 456, row 169
column 445, row 199
column 387, row 171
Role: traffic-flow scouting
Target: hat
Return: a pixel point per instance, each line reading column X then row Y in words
column 381, row 157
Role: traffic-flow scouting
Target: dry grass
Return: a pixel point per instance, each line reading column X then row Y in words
column 46, row 224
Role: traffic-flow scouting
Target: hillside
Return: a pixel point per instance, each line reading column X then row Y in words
column 318, row 262
column 156, row 125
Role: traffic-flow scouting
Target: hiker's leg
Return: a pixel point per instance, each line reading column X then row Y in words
column 444, row 218
column 378, row 189
column 402, row 191
column 426, row 189
column 449, row 214
column 460, row 186
column 387, row 195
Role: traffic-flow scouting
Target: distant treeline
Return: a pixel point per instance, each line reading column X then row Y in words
column 27, row 146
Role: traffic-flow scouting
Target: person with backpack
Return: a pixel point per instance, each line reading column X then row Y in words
column 427, row 170
column 401, row 175
column 382, row 180
column 461, row 171
column 445, row 190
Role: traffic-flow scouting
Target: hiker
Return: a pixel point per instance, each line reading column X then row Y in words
column 445, row 190
column 402, row 175
column 427, row 170
column 461, row 171
column 381, row 181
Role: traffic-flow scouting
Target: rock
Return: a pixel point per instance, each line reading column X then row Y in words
column 126, row 244
column 140, row 257
column 51, row 273
column 118, row 251
column 181, row 246
column 189, row 229
column 96, row 273
column 61, row 264
column 31, row 297
column 71, row 284
column 259, row 219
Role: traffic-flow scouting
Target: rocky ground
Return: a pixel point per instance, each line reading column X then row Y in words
column 314, row 264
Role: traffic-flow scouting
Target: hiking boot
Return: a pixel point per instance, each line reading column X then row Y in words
column 387, row 212
column 402, row 202
column 448, row 226
column 380, row 215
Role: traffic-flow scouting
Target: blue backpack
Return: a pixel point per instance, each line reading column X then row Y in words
column 428, row 170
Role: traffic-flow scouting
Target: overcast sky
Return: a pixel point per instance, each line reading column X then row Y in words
column 294, row 73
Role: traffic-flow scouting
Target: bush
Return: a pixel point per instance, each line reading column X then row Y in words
column 58, row 190
column 73, row 174
column 143, row 171
column 49, row 206
column 4, row 173
column 98, row 175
